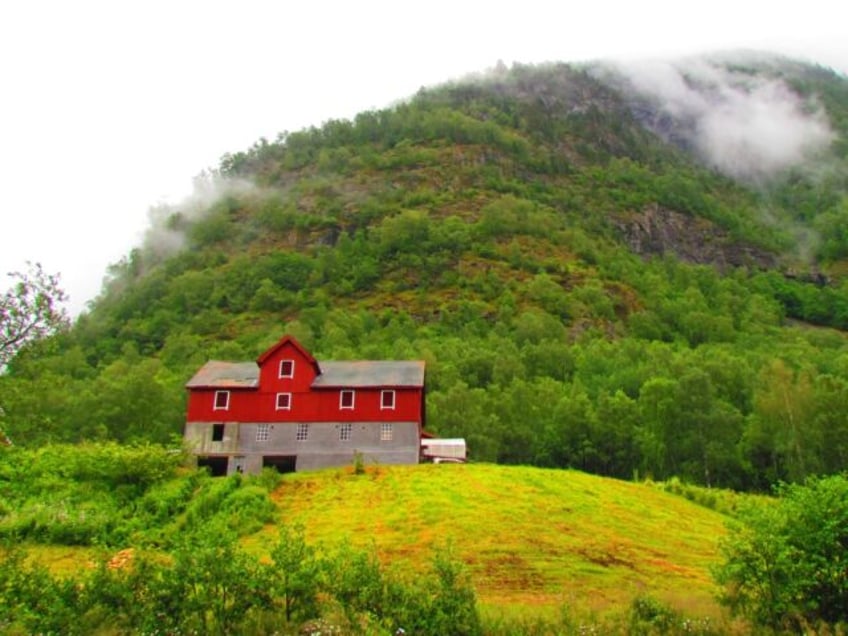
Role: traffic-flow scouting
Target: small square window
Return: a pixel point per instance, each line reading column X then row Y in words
column 222, row 400
column 386, row 432
column 286, row 368
column 217, row 432
column 302, row 432
column 346, row 399
column 345, row 432
column 284, row 401
column 263, row 432
column 387, row 400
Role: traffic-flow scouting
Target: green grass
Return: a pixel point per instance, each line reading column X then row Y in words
column 531, row 538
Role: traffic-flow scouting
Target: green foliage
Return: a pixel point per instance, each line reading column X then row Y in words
column 168, row 498
column 107, row 494
column 358, row 463
column 725, row 501
column 235, row 502
column 649, row 617
column 208, row 584
column 30, row 310
column 440, row 601
column 296, row 574
column 452, row 605
column 785, row 565
column 34, row 602
column 248, row 509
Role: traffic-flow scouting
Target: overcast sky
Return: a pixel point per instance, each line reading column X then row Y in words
column 107, row 108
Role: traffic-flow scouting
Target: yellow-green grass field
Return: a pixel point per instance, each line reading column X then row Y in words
column 531, row 538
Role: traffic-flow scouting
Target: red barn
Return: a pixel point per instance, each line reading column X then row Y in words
column 289, row 411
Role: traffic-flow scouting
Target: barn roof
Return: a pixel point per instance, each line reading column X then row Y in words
column 225, row 375
column 365, row 373
column 216, row 374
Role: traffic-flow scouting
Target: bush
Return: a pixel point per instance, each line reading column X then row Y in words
column 210, row 499
column 34, row 602
column 169, row 498
column 248, row 509
column 785, row 564
column 648, row 616
column 721, row 500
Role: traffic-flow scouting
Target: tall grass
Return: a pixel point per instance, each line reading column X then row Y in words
column 532, row 539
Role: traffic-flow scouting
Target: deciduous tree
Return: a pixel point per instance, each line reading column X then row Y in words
column 786, row 565
column 30, row 309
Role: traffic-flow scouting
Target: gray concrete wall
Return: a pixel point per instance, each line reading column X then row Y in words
column 198, row 436
column 321, row 449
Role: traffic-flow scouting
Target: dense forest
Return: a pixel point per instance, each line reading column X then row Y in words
column 590, row 287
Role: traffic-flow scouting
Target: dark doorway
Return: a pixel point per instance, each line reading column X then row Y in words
column 282, row 463
column 217, row 465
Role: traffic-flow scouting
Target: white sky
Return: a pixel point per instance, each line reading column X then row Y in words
column 107, row 108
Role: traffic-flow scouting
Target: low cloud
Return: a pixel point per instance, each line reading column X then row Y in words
column 166, row 232
column 748, row 126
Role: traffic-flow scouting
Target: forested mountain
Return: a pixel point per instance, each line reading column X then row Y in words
column 630, row 271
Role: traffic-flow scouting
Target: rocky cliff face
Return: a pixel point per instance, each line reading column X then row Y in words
column 657, row 230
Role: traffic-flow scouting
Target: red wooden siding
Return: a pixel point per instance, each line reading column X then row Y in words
column 253, row 405
column 252, row 401
column 269, row 369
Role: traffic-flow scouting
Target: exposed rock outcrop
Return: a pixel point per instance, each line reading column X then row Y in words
column 657, row 230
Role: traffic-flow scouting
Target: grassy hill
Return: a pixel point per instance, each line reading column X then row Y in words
column 534, row 540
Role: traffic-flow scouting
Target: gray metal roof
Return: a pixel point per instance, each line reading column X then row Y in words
column 360, row 373
column 232, row 375
column 363, row 373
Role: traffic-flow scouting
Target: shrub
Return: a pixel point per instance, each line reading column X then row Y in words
column 169, row 498
column 785, row 564
column 358, row 463
column 34, row 602
column 210, row 499
column 648, row 616
column 248, row 509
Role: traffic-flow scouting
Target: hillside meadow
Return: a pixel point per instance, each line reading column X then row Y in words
column 99, row 524
column 533, row 539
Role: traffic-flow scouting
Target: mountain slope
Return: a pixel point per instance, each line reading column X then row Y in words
column 591, row 284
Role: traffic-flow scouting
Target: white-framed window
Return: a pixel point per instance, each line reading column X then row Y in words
column 222, row 400
column 387, row 400
column 302, row 432
column 263, row 432
column 345, row 432
column 386, row 432
column 286, row 368
column 284, row 401
column 347, row 399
